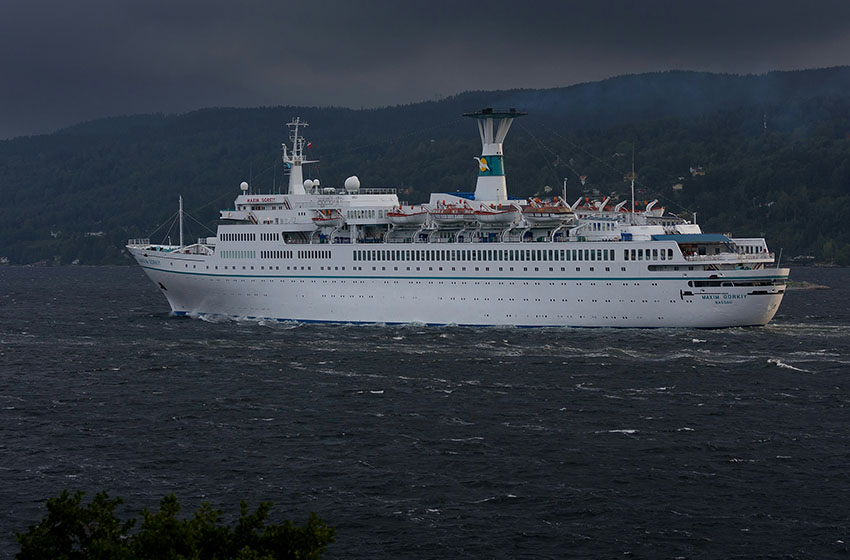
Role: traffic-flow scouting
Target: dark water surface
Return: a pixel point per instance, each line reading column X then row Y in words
column 446, row 442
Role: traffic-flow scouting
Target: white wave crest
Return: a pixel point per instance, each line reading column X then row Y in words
column 779, row 363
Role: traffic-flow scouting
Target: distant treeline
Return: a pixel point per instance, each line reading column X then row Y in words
column 754, row 155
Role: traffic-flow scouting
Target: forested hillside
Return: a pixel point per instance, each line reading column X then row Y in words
column 774, row 149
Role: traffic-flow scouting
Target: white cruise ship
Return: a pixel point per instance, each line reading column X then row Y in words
column 357, row 255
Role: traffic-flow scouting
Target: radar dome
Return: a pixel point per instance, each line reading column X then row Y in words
column 315, row 182
column 308, row 184
column 352, row 183
column 243, row 186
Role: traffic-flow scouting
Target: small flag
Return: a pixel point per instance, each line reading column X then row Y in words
column 309, row 144
column 583, row 179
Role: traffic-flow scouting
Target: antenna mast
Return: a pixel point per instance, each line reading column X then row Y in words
column 181, row 219
column 295, row 159
column 632, row 217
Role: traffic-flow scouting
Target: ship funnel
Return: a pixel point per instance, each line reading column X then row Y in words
column 493, row 126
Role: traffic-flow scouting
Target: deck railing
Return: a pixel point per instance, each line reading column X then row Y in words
column 732, row 257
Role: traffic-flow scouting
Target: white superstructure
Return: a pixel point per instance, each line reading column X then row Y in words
column 352, row 254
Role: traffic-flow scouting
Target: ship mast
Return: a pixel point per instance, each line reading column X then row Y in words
column 633, row 186
column 632, row 176
column 493, row 126
column 295, row 159
column 180, row 211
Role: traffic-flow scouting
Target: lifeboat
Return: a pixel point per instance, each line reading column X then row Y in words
column 402, row 216
column 494, row 214
column 452, row 214
column 539, row 213
column 328, row 219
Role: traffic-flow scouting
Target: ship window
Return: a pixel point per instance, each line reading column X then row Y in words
column 599, row 254
column 587, row 254
column 625, row 254
column 592, row 255
column 670, row 254
column 663, row 254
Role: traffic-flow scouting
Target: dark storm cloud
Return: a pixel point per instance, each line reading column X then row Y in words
column 61, row 63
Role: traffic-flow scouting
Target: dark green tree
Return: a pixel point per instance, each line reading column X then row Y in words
column 72, row 531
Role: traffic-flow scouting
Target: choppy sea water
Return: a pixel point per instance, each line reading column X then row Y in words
column 422, row 442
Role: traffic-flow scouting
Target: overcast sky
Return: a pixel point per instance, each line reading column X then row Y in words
column 65, row 62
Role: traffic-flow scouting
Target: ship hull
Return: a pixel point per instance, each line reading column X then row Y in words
column 345, row 291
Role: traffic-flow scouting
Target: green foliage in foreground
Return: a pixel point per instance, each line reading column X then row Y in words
column 73, row 531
